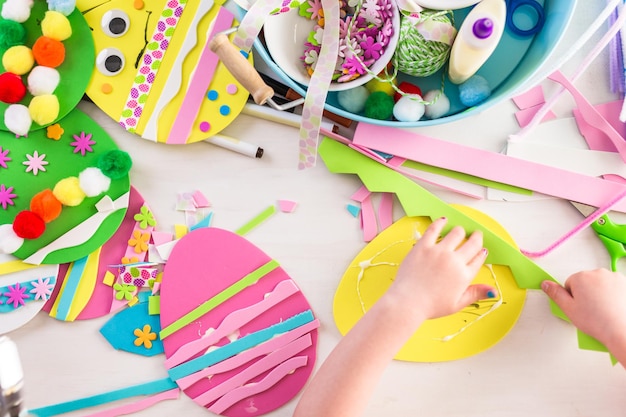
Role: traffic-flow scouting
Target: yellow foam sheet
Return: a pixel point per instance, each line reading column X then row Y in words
column 141, row 26
column 391, row 246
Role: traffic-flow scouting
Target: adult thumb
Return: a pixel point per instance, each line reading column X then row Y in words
column 558, row 294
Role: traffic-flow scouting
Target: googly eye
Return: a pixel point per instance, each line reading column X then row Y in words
column 110, row 61
column 115, row 23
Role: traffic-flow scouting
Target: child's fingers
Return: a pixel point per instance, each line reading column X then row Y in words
column 470, row 248
column 454, row 238
column 477, row 292
column 432, row 233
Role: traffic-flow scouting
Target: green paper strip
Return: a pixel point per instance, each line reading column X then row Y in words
column 148, row 388
column 416, row 201
column 154, row 305
column 219, row 298
column 260, row 218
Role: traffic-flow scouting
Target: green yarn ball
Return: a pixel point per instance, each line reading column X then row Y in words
column 379, row 106
column 415, row 55
column 115, row 164
column 12, row 33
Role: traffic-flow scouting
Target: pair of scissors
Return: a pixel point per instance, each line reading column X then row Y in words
column 524, row 9
column 611, row 234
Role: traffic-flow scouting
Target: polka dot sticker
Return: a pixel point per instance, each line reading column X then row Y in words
column 231, row 89
column 224, row 110
column 212, row 95
column 205, row 126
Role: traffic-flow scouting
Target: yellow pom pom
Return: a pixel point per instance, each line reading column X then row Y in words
column 18, row 59
column 68, row 192
column 56, row 26
column 44, row 109
column 374, row 85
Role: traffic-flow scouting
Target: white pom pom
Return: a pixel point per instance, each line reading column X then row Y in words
column 17, row 119
column 439, row 107
column 43, row 80
column 18, row 10
column 93, row 182
column 409, row 108
column 9, row 241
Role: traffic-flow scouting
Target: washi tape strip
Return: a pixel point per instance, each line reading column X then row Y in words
column 251, row 24
column 151, row 61
column 17, row 295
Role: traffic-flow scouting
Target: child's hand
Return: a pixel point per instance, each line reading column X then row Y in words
column 434, row 278
column 595, row 302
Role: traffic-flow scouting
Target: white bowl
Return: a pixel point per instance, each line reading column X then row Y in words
column 286, row 33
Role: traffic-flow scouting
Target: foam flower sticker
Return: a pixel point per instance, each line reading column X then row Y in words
column 145, row 336
column 131, row 260
column 371, row 48
column 35, row 163
column 124, row 291
column 42, row 288
column 139, row 241
column 16, row 294
column 6, row 196
column 314, row 9
column 82, row 143
column 54, row 131
column 145, row 217
column 4, row 158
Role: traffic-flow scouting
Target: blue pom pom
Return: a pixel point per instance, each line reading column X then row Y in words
column 65, row 7
column 353, row 100
column 474, row 91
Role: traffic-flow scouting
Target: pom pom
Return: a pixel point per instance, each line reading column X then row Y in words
column 44, row 109
column 115, row 164
column 46, row 205
column 28, row 225
column 66, row 7
column 18, row 59
column 407, row 88
column 93, row 182
column 409, row 108
column 440, row 104
column 49, row 52
column 386, row 87
column 17, row 119
column 12, row 89
column 379, row 106
column 9, row 241
column 474, row 91
column 353, row 99
column 56, row 26
column 12, row 33
column 43, row 80
column 68, row 192
column 18, row 10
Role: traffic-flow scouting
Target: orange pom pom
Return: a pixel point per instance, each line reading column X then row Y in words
column 48, row 52
column 46, row 205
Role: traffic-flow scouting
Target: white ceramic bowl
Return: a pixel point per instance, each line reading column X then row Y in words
column 286, row 33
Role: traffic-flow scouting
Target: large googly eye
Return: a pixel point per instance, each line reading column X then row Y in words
column 110, row 61
column 115, row 23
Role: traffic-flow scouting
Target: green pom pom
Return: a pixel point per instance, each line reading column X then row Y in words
column 115, row 164
column 379, row 106
column 12, row 33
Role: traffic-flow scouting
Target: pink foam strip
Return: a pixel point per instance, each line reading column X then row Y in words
column 266, row 383
column 385, row 210
column 525, row 116
column 138, row 405
column 545, row 179
column 361, row 194
column 530, row 98
column 368, row 219
column 246, row 356
column 264, row 364
column 159, row 238
column 199, row 83
column 232, row 322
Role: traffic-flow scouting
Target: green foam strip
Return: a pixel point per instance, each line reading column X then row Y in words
column 260, row 218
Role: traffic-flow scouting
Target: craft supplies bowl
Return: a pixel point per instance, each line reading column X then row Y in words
column 515, row 60
column 287, row 34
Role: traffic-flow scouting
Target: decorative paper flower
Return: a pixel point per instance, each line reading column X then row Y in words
column 35, row 163
column 42, row 289
column 54, row 131
column 82, row 143
column 145, row 336
column 139, row 241
column 6, row 196
column 371, row 48
column 4, row 158
column 123, row 291
column 145, row 218
column 16, row 295
column 314, row 9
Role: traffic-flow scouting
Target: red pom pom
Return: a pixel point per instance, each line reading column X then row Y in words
column 28, row 225
column 12, row 89
column 406, row 88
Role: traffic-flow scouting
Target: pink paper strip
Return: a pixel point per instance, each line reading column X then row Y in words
column 490, row 165
column 139, row 405
column 361, row 194
column 525, row 116
column 199, row 83
column 530, row 98
column 385, row 211
column 368, row 219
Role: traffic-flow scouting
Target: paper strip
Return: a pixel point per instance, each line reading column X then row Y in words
column 139, row 405
column 219, row 298
column 368, row 219
column 14, row 266
column 385, row 211
column 260, row 218
column 361, row 194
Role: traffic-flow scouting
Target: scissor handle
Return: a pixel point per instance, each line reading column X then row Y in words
column 513, row 6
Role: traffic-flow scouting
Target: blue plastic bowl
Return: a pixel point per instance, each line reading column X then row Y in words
column 514, row 61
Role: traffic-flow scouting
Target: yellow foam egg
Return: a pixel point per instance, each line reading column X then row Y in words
column 44, row 109
column 56, row 26
column 18, row 59
column 68, row 192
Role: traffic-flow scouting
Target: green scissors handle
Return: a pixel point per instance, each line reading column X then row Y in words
column 613, row 236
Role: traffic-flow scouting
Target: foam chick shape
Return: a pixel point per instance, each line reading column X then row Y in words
column 476, row 40
column 218, row 289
